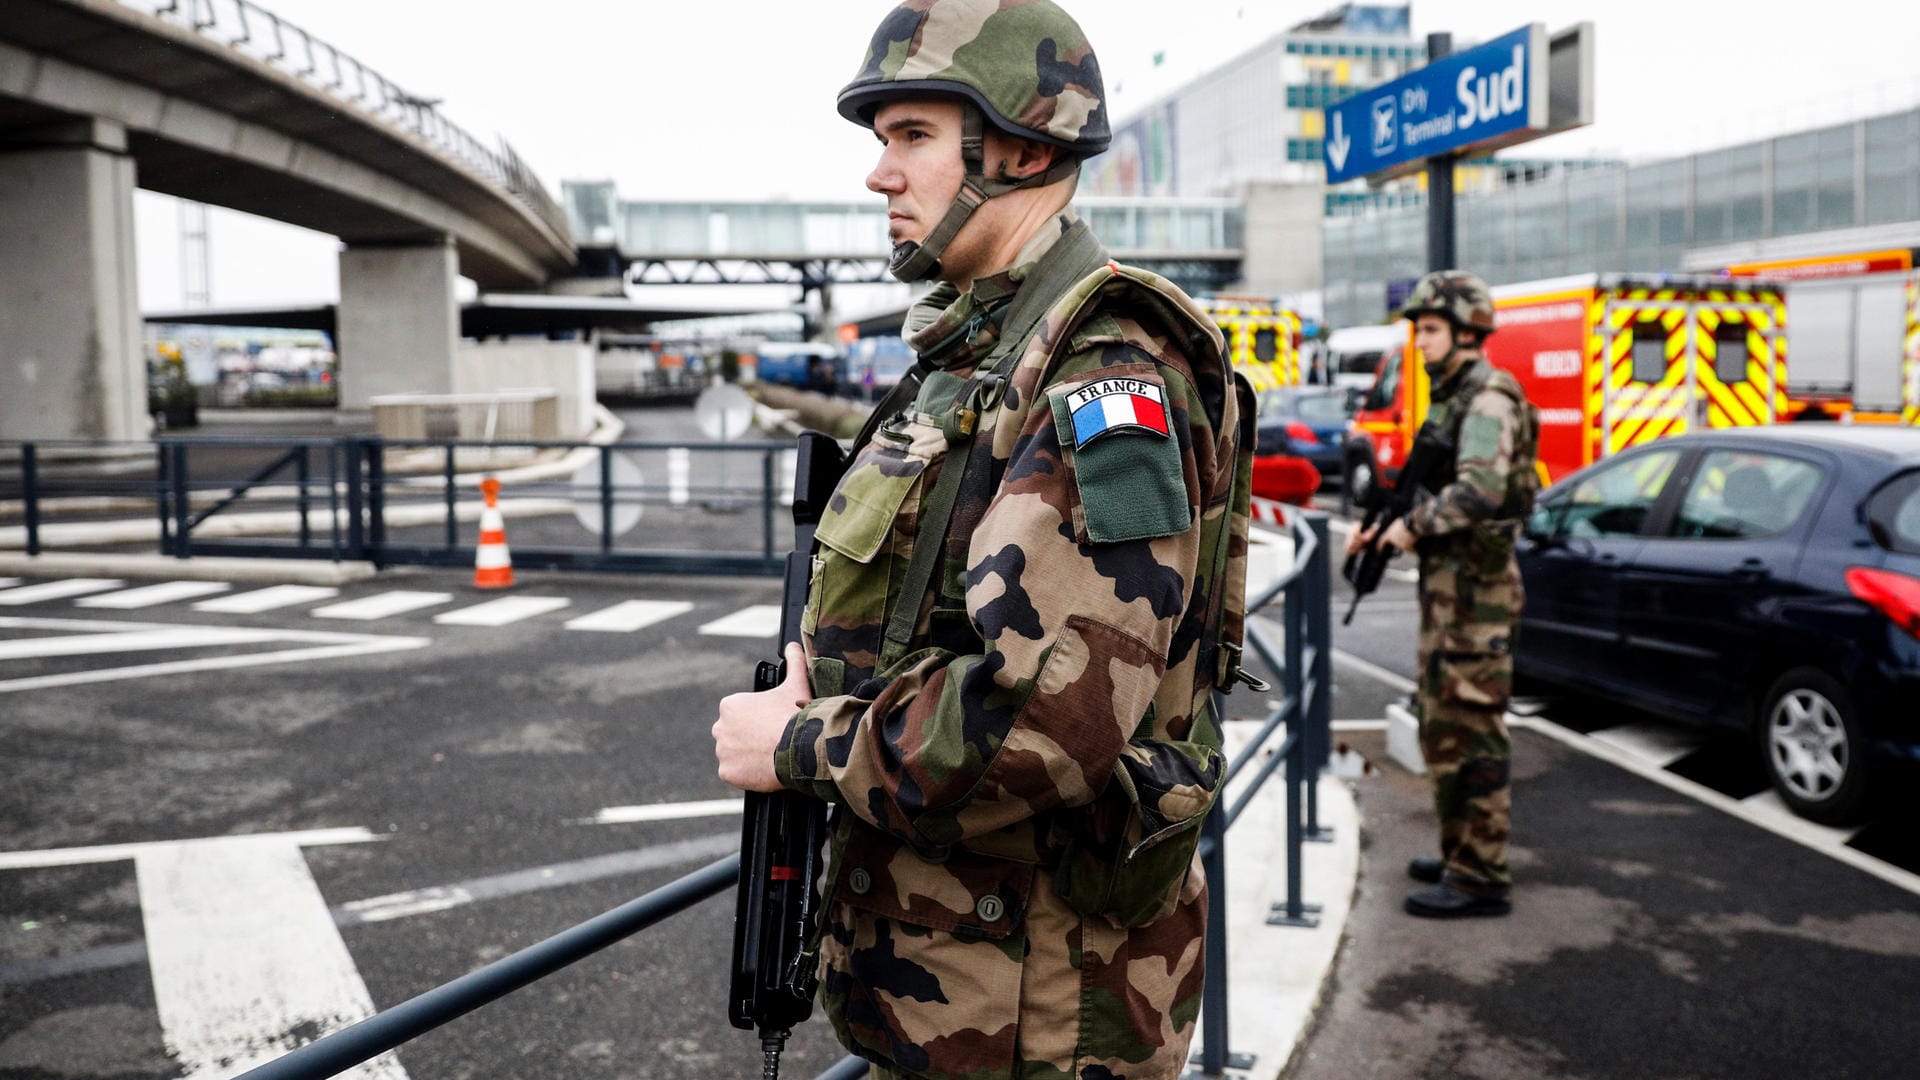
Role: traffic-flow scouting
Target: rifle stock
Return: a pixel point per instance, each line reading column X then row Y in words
column 1385, row 505
column 781, row 833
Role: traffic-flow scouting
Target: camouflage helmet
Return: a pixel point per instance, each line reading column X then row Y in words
column 1024, row 63
column 1460, row 297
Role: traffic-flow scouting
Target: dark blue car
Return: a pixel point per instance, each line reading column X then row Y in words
column 1766, row 579
column 1305, row 421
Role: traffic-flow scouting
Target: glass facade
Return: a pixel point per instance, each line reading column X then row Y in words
column 1639, row 218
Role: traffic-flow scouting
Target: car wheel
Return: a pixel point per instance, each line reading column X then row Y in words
column 1811, row 739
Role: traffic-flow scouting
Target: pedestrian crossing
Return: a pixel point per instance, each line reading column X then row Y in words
column 327, row 602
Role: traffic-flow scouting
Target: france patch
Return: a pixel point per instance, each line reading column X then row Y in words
column 1105, row 406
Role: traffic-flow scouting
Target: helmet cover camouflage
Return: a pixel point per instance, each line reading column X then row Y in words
column 1456, row 295
column 1025, row 64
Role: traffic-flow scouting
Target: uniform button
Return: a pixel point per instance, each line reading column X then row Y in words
column 990, row 908
column 860, row 882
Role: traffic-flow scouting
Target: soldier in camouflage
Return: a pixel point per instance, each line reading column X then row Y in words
column 1026, row 589
column 1470, row 594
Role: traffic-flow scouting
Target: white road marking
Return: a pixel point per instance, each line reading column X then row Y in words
column 1411, row 577
column 244, row 954
column 623, row 815
column 1793, row 828
column 507, row 609
column 630, row 615
column 1661, row 744
column 81, row 856
column 175, row 637
column 57, row 590
column 759, row 621
column 381, row 605
column 267, row 599
column 8, row 582
column 325, row 646
column 679, row 472
column 1359, row 725
column 1394, row 681
column 150, row 595
column 1769, row 804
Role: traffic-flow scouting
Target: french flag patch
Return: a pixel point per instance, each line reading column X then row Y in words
column 1105, row 406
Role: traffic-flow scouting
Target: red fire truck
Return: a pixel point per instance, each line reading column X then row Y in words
column 1610, row 360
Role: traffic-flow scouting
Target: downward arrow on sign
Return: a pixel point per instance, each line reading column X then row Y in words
column 1338, row 145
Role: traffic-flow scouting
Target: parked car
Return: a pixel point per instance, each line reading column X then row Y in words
column 1766, row 579
column 1305, row 421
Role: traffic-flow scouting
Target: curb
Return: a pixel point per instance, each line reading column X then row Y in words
column 199, row 568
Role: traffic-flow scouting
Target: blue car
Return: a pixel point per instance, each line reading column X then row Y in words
column 1305, row 421
column 1762, row 579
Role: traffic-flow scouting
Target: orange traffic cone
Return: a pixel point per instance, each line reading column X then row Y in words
column 492, row 563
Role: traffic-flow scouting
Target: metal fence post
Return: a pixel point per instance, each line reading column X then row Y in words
column 162, row 486
column 767, row 493
column 1316, row 712
column 606, row 500
column 303, row 475
column 182, row 508
column 452, row 495
column 30, row 493
column 356, row 528
column 376, row 458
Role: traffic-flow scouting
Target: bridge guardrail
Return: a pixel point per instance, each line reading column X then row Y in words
column 265, row 37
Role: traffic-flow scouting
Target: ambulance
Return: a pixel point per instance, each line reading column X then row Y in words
column 1609, row 360
column 1263, row 339
column 1853, row 335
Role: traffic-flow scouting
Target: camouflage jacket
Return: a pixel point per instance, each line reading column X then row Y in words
column 1013, row 890
column 1495, row 433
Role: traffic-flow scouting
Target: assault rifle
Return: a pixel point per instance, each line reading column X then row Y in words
column 782, row 832
column 1386, row 504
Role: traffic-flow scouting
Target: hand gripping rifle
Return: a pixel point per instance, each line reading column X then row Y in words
column 1385, row 505
column 782, row 832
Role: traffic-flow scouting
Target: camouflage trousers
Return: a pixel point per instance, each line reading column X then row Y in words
column 1466, row 678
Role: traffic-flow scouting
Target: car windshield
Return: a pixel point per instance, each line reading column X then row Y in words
column 1315, row 407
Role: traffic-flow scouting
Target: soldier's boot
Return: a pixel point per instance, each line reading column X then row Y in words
column 1426, row 868
column 1448, row 901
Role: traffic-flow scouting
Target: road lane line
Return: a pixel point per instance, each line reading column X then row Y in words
column 1769, row 803
column 81, row 856
column 151, row 595
column 1798, row 830
column 8, row 582
column 630, row 615
column 245, row 957
column 178, row 637
column 381, row 605
column 758, row 621
column 507, row 609
column 1394, row 681
column 1661, row 744
column 267, row 599
column 323, row 646
column 622, row 815
column 57, row 590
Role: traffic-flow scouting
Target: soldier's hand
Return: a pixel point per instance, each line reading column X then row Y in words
column 749, row 727
column 1400, row 536
column 1360, row 538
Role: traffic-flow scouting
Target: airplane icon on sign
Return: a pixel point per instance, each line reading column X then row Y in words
column 1386, row 130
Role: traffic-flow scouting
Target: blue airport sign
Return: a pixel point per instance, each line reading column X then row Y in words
column 1486, row 97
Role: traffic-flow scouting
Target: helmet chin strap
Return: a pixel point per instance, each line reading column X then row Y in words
column 918, row 261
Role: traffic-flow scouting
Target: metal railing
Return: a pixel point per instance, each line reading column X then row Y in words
column 260, row 35
column 353, row 475
column 576, row 506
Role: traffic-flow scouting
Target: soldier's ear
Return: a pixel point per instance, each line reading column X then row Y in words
column 1025, row 157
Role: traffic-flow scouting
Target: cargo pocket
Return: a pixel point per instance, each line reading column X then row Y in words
column 1474, row 666
column 925, row 950
column 1118, row 442
column 1129, row 855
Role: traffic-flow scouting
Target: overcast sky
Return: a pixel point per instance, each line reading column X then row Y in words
column 734, row 98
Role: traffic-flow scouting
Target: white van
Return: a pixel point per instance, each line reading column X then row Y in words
column 1353, row 353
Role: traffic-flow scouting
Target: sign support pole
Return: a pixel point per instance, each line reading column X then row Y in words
column 1442, row 254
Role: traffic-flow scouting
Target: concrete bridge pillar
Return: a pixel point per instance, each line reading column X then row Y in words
column 399, row 323
column 72, row 362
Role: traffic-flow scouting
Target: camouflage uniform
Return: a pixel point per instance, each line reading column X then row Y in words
column 1470, row 598
column 1016, row 727
column 1051, row 706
